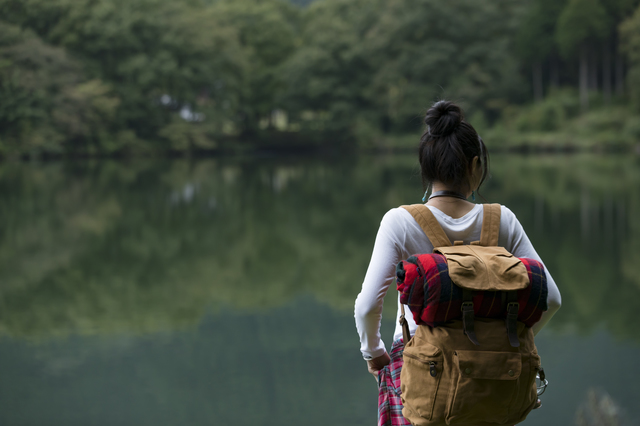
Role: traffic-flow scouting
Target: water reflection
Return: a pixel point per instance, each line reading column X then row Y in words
column 127, row 271
column 599, row 409
column 270, row 369
column 279, row 367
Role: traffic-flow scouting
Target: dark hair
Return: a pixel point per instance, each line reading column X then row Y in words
column 447, row 148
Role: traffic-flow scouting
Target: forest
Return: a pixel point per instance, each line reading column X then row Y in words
column 123, row 77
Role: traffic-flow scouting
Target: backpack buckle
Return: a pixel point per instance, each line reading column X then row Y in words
column 466, row 305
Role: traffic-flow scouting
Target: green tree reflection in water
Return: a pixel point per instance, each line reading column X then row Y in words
column 132, row 256
column 581, row 214
column 111, row 247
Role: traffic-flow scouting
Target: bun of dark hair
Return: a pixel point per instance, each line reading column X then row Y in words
column 447, row 148
column 443, row 118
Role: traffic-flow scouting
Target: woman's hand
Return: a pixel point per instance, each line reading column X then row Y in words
column 378, row 363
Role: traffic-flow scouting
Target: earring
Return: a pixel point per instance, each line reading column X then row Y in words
column 473, row 195
column 424, row 197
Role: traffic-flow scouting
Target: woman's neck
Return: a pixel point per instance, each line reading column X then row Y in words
column 450, row 205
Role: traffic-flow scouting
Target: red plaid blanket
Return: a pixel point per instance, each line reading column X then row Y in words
column 425, row 286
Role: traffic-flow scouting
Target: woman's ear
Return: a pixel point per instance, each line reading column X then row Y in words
column 475, row 164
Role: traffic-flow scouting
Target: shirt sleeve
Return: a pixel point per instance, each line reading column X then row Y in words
column 380, row 274
column 516, row 241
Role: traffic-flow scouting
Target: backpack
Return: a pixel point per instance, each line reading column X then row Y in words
column 471, row 371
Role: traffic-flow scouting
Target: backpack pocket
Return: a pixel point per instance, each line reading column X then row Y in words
column 420, row 377
column 528, row 395
column 483, row 386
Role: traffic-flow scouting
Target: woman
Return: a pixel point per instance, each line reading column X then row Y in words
column 454, row 164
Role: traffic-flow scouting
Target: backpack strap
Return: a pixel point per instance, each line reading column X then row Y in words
column 468, row 316
column 489, row 237
column 436, row 236
column 429, row 224
column 490, row 225
column 511, row 320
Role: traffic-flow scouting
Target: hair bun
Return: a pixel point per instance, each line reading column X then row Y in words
column 443, row 118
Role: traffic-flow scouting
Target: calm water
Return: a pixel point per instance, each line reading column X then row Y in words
column 221, row 291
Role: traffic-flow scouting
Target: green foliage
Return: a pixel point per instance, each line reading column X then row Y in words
column 48, row 103
column 221, row 60
column 535, row 39
column 267, row 37
column 153, row 48
column 432, row 51
column 556, row 122
column 330, row 76
column 185, row 136
column 620, row 9
column 550, row 114
column 378, row 65
column 118, row 76
column 630, row 34
column 579, row 22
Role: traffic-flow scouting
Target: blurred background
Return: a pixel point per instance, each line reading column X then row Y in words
column 190, row 191
column 89, row 77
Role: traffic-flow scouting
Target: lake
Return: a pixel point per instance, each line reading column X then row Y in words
column 221, row 290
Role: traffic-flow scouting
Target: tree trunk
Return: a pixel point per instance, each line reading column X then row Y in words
column 584, row 77
column 585, row 209
column 554, row 74
column 537, row 81
column 606, row 73
column 619, row 74
column 593, row 70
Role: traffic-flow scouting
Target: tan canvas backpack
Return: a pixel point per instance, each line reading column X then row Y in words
column 473, row 371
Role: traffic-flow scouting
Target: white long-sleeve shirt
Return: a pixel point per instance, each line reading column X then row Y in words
column 400, row 236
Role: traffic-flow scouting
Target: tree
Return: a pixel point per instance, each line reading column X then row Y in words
column 149, row 50
column 267, row 34
column 581, row 24
column 48, row 102
column 328, row 76
column 535, row 42
column 369, row 67
column 630, row 35
column 431, row 49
